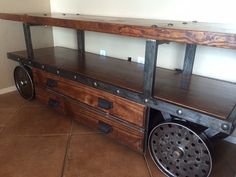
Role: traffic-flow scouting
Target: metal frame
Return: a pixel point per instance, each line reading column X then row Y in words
column 28, row 40
column 149, row 68
column 81, row 41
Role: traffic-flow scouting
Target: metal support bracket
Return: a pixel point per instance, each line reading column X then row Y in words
column 28, row 40
column 149, row 68
column 81, row 41
column 189, row 57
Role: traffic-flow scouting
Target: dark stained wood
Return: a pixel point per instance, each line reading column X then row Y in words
column 205, row 95
column 215, row 35
column 210, row 96
column 126, row 135
column 125, row 109
column 107, row 69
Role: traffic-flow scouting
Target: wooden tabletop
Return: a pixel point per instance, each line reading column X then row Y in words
column 209, row 96
column 210, row 34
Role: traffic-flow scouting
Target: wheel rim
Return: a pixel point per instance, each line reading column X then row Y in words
column 179, row 151
column 24, row 83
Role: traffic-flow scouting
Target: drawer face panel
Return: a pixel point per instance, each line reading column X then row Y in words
column 53, row 101
column 90, row 117
column 114, row 105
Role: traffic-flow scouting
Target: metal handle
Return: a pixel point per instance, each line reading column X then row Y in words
column 51, row 83
column 53, row 103
column 105, row 128
column 104, row 104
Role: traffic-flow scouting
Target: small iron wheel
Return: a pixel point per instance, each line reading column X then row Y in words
column 23, row 82
column 179, row 151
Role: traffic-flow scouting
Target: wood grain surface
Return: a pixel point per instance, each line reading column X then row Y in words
column 122, row 108
column 209, row 96
column 215, row 35
column 122, row 133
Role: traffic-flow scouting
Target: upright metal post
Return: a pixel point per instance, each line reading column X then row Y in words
column 81, row 41
column 28, row 40
column 149, row 68
column 189, row 57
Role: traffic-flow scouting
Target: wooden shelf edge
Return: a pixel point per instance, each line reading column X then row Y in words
column 193, row 35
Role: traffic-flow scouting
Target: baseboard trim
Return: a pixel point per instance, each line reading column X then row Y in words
column 7, row 90
column 231, row 139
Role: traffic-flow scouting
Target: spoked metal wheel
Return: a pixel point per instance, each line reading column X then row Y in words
column 179, row 151
column 24, row 83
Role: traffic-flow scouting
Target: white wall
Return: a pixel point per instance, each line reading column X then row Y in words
column 12, row 36
column 212, row 62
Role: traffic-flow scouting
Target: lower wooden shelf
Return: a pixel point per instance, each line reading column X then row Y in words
column 208, row 96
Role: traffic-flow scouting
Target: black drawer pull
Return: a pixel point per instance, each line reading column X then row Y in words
column 105, row 128
column 53, row 103
column 51, row 83
column 104, row 104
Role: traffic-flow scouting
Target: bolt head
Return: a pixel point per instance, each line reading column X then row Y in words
column 95, row 84
column 75, row 77
column 146, row 100
column 179, row 112
column 117, row 91
column 225, row 126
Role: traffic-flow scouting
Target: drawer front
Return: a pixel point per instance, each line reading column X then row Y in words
column 114, row 105
column 88, row 116
column 53, row 101
column 123, row 134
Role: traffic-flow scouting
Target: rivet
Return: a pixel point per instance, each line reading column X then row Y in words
column 95, row 84
column 75, row 77
column 118, row 91
column 170, row 24
column 179, row 112
column 146, row 100
column 58, row 72
column 43, row 66
column 64, row 14
column 225, row 126
column 184, row 23
column 154, row 26
column 29, row 62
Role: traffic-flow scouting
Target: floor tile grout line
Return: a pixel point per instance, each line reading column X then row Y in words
column 67, row 149
column 149, row 170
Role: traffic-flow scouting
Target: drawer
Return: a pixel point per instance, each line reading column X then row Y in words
column 124, row 134
column 118, row 130
column 129, row 111
column 53, row 101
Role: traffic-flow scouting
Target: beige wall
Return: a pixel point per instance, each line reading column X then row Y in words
column 212, row 62
column 12, row 38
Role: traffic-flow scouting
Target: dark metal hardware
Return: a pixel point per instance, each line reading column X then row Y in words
column 28, row 40
column 105, row 128
column 104, row 104
column 51, row 83
column 53, row 103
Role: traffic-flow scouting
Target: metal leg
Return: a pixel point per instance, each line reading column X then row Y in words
column 28, row 41
column 149, row 68
column 189, row 58
column 81, row 41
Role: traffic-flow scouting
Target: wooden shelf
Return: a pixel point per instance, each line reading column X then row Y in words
column 205, row 95
column 215, row 35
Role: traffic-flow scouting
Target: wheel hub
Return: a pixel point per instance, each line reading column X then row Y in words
column 179, row 151
column 23, row 82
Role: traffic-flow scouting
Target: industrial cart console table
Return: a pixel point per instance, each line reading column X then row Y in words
column 170, row 116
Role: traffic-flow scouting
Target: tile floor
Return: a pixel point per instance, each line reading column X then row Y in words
column 36, row 141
